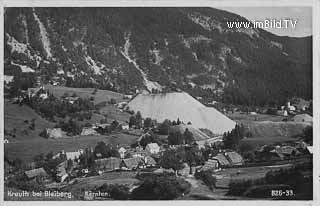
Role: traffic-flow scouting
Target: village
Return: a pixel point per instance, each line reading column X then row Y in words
column 172, row 142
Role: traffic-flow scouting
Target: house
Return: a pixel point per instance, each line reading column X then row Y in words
column 127, row 96
column 149, row 161
column 98, row 155
column 121, row 105
column 139, row 153
column 32, row 92
column 54, row 133
column 286, row 151
column 88, row 131
column 131, row 163
column 310, row 149
column 107, row 164
column 163, row 170
column 36, row 173
column 73, row 155
column 71, row 100
column 282, row 113
column 6, row 141
column 61, row 174
column 234, row 158
column 211, row 164
column 124, row 126
column 152, row 148
column 222, row 160
column 185, row 170
column 122, row 151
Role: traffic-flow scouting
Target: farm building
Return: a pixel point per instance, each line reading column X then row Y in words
column 107, row 164
column 88, row 131
column 181, row 105
column 131, row 163
column 36, row 173
column 222, row 160
column 163, row 170
column 286, row 151
column 55, row 133
column 149, row 161
column 152, row 148
column 302, row 118
column 139, row 153
column 234, row 158
column 211, row 164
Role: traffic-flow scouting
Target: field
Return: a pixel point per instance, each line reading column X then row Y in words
column 100, row 96
column 243, row 118
column 15, row 116
column 226, row 175
column 26, row 150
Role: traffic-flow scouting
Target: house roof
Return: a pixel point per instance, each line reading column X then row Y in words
column 162, row 170
column 36, row 173
column 133, row 162
column 221, row 159
column 153, row 146
column 210, row 164
column 55, row 133
column 122, row 149
column 234, row 158
column 310, row 149
column 286, row 150
column 149, row 160
column 110, row 163
column 73, row 155
column 88, row 131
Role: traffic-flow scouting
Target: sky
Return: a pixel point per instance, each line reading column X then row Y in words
column 303, row 15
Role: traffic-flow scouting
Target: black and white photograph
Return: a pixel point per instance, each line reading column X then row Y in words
column 114, row 103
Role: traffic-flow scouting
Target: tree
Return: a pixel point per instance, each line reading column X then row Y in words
column 193, row 156
column 138, row 120
column 175, row 138
column 171, row 159
column 164, row 127
column 188, row 136
column 105, row 150
column 308, row 134
column 161, row 187
column 132, row 121
column 232, row 139
column 147, row 123
column 114, row 125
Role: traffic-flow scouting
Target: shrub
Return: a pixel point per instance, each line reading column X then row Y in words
column 161, row 187
column 207, row 178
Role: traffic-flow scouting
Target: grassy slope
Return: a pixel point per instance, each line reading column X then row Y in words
column 27, row 146
column 100, row 96
column 15, row 116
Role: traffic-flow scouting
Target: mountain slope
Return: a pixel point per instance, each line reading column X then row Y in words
column 124, row 49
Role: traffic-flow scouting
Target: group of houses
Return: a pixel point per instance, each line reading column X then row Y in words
column 282, row 152
column 222, row 160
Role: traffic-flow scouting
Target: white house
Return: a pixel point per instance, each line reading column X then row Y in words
column 125, row 126
column 122, row 151
column 152, row 148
